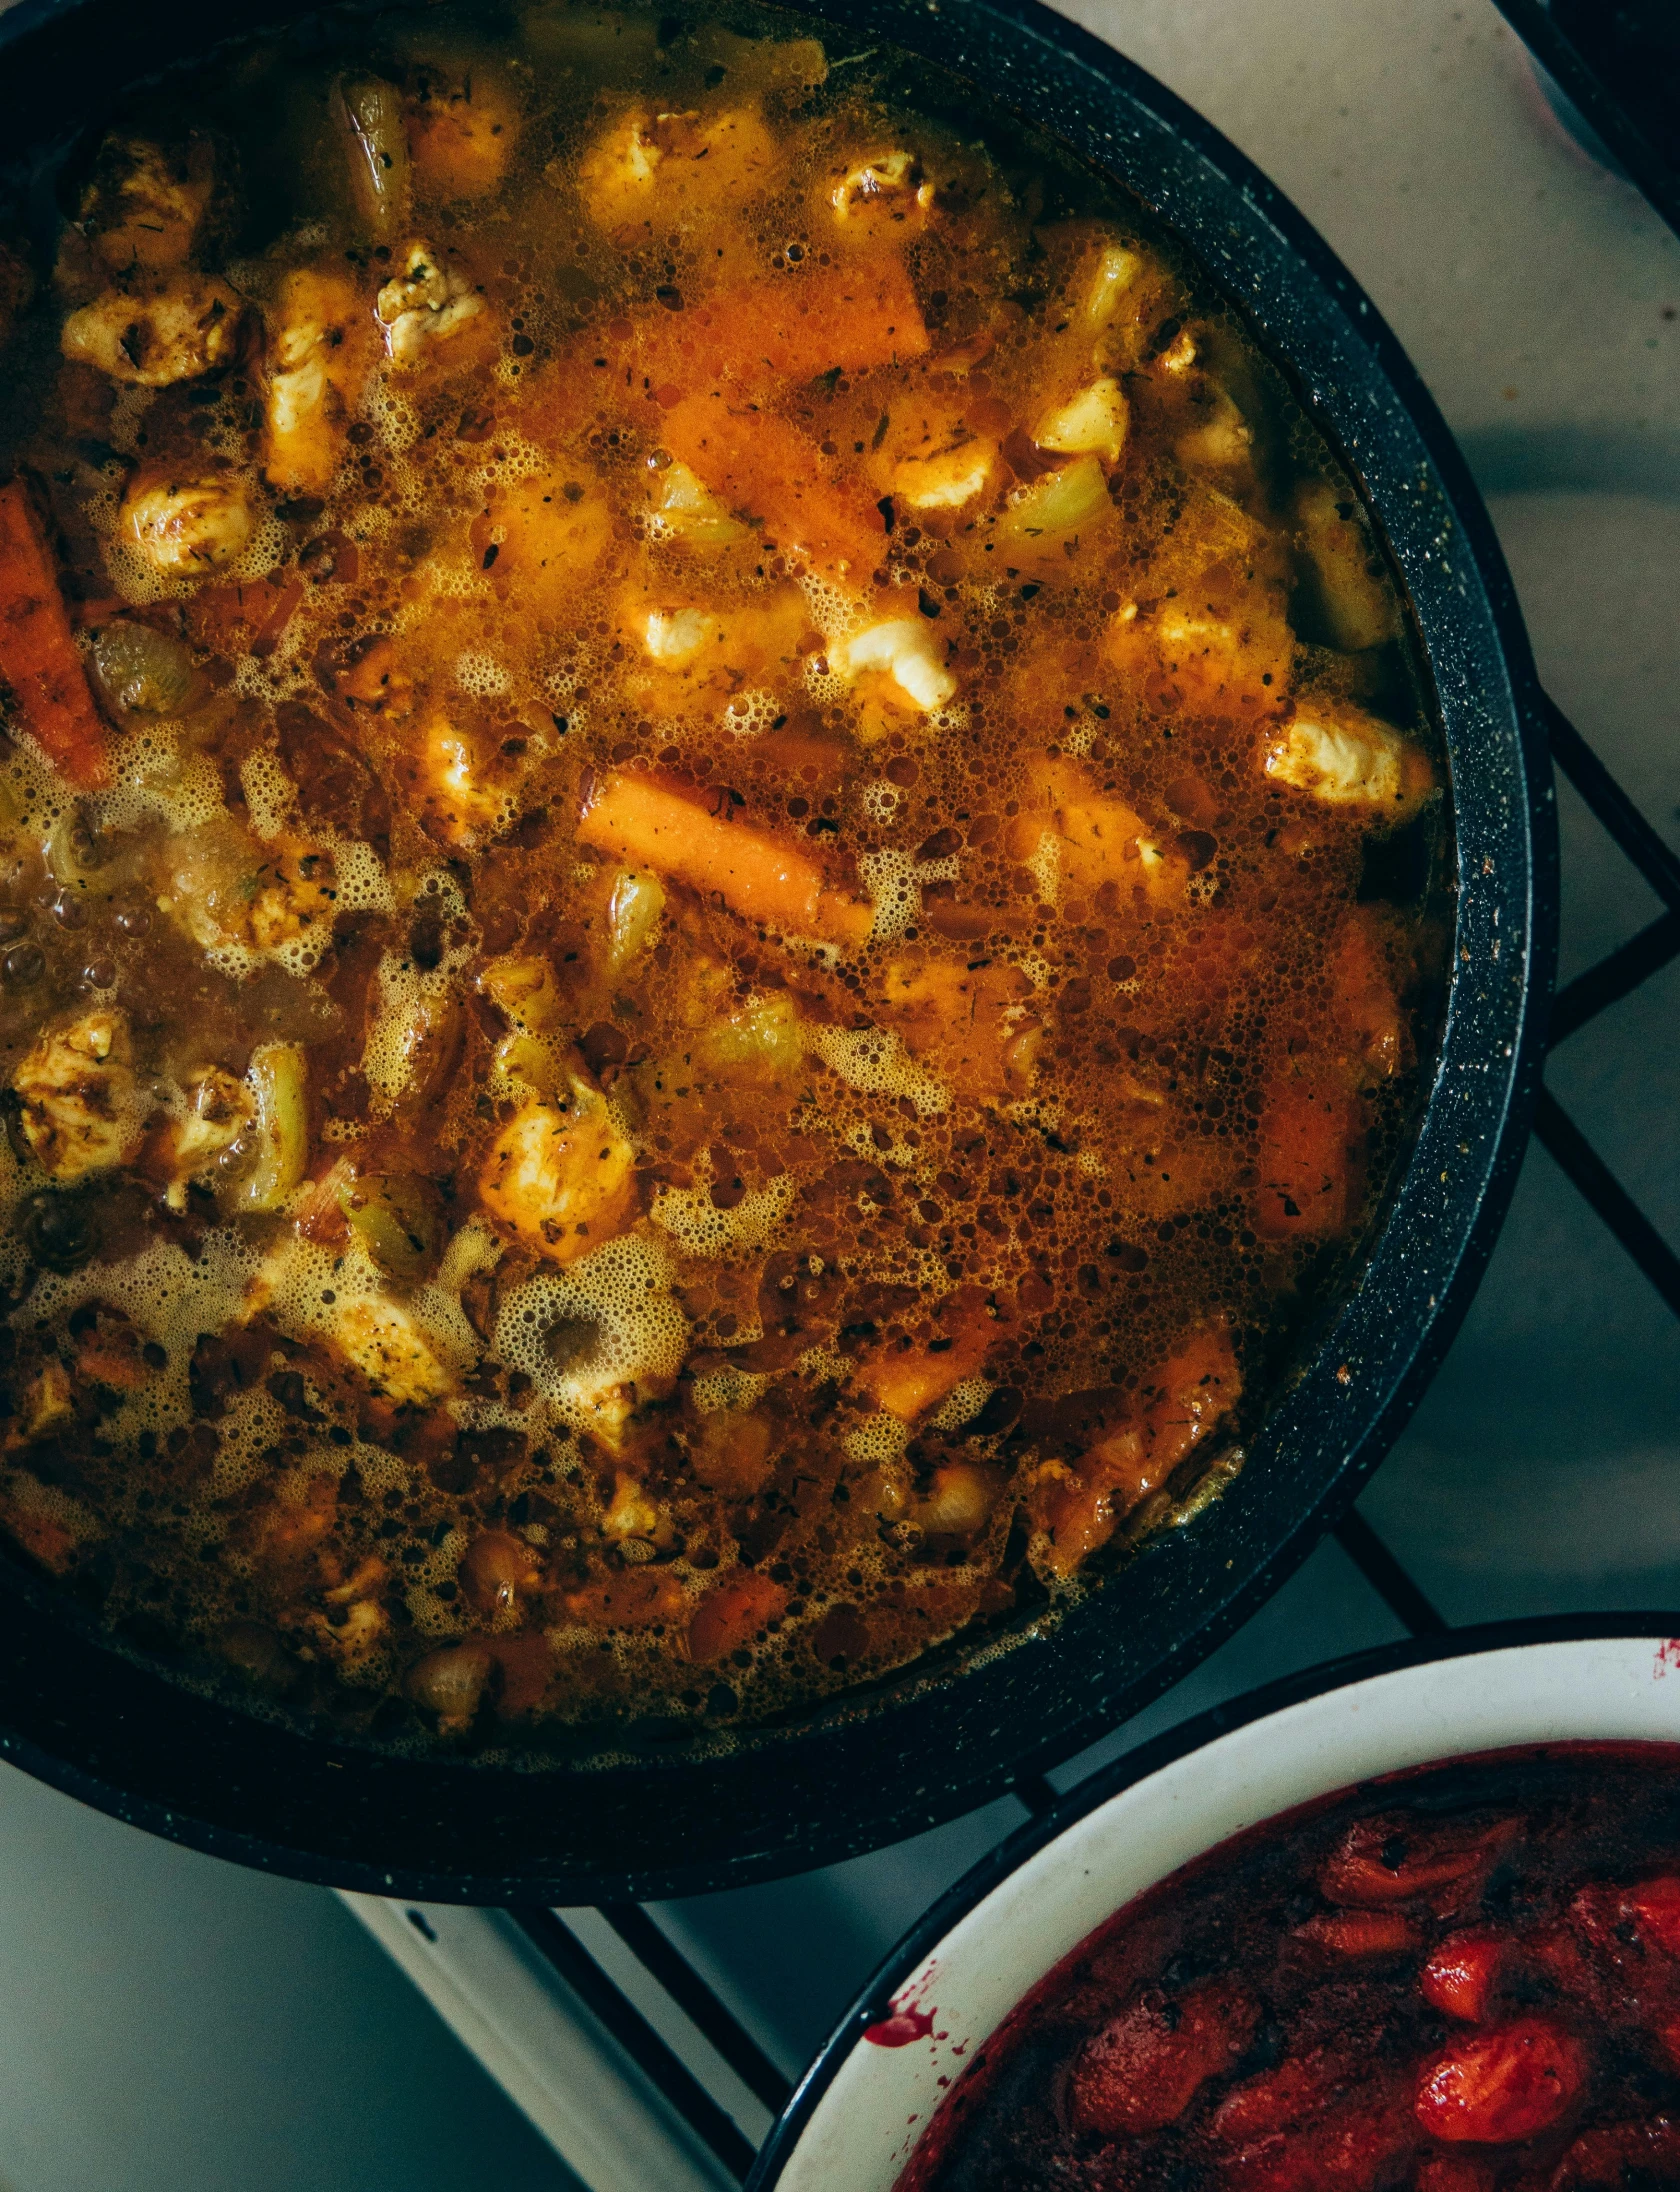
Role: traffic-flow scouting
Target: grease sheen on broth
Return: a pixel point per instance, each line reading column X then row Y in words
column 722, row 872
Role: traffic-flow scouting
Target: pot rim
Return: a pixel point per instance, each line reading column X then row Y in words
column 287, row 1809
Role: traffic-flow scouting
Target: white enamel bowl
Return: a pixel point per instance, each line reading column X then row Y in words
column 951, row 1981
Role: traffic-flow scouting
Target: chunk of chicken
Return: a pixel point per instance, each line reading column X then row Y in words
column 456, row 803
column 1345, row 758
column 81, row 1112
column 219, row 1108
column 890, row 186
column 187, row 528
column 355, row 1644
column 561, row 1175
column 1093, row 421
column 319, row 351
column 157, row 331
column 653, row 170
column 932, row 458
column 707, row 654
column 1221, row 440
column 146, row 205
column 376, row 1333
column 904, row 654
column 426, row 303
column 1098, row 837
column 379, row 1336
column 636, row 1522
column 49, row 1403
column 226, row 886
column 1222, row 640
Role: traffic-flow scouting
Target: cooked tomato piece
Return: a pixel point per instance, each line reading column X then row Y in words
column 1622, row 2157
column 732, row 1613
column 1655, row 1909
column 1498, row 2086
column 1360, row 1933
column 1391, row 1860
column 1146, row 2065
column 1462, row 1973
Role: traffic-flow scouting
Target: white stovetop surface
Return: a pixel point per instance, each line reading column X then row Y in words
column 169, row 2024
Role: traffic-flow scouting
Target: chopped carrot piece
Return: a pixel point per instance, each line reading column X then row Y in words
column 907, row 1380
column 1363, row 987
column 1176, row 1407
column 779, row 328
column 648, row 824
column 759, row 463
column 732, row 1613
column 1306, row 1137
column 43, row 1537
column 38, row 657
column 634, row 1600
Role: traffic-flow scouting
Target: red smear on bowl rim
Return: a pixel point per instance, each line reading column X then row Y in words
column 902, row 2028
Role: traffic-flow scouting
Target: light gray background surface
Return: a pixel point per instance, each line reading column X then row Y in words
column 169, row 2022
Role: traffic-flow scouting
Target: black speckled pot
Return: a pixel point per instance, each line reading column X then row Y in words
column 887, row 1763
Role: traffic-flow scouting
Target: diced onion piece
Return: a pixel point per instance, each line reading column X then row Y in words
column 279, row 1082
column 138, row 667
column 1092, row 422
column 683, row 508
column 1113, row 275
column 390, row 1214
column 1057, row 505
column 379, row 178
column 634, row 911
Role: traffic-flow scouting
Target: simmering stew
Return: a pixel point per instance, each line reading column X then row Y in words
column 720, row 871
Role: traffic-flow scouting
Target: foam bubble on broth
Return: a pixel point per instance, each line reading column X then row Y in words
column 700, row 1228
column 622, row 1292
column 875, row 1062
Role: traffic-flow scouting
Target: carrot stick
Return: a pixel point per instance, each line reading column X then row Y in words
column 791, row 327
column 757, row 462
column 645, row 823
column 38, row 657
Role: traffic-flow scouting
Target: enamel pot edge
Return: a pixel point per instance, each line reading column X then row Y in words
column 883, row 1765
